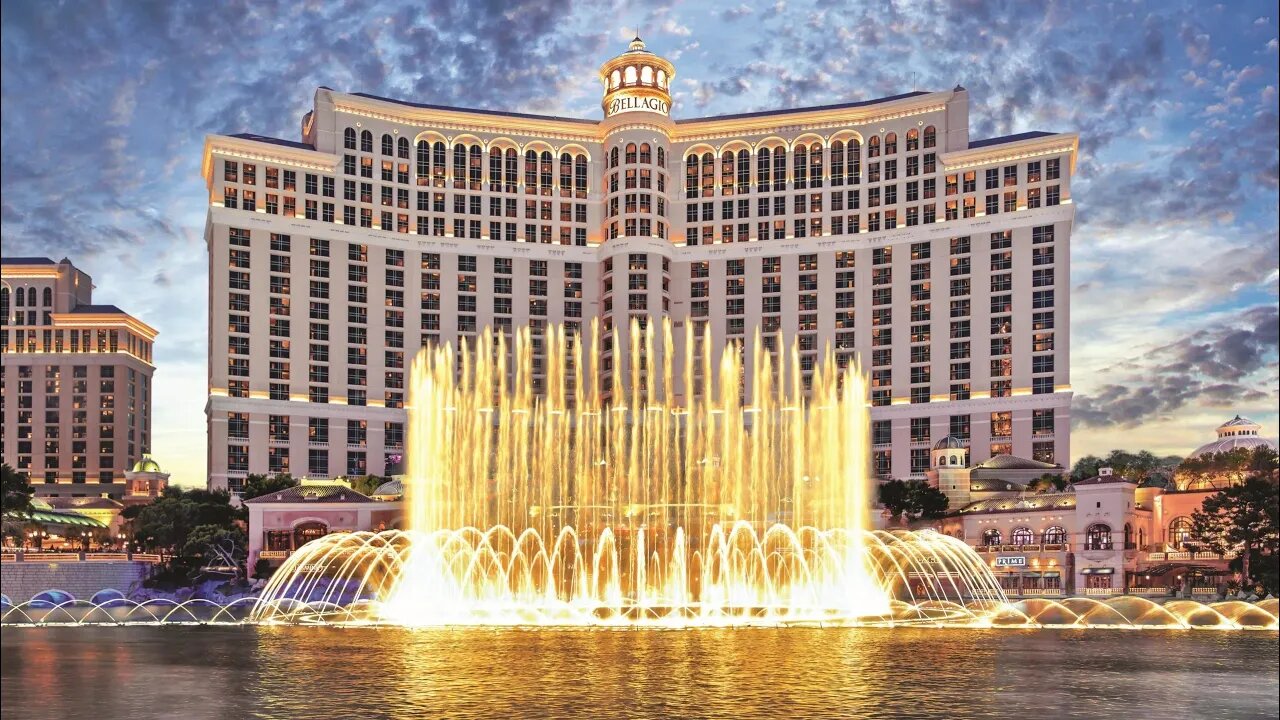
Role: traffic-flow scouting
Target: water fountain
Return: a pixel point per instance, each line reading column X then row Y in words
column 550, row 500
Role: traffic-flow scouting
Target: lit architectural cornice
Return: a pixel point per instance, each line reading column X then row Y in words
column 1055, row 144
column 467, row 120
column 258, row 150
column 19, row 272
column 104, row 320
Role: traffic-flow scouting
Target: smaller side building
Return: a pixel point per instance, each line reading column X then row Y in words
column 283, row 521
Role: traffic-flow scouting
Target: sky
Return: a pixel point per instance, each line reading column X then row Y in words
column 1174, row 254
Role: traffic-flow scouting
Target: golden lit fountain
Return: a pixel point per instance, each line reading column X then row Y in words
column 542, row 500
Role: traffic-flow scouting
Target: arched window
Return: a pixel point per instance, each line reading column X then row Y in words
column 545, row 174
column 531, row 171
column 495, row 169
column 1023, row 536
column 402, row 148
column 1181, row 532
column 615, row 79
column 511, row 173
column 990, row 536
column 308, row 531
column 580, row 177
column 955, row 459
column 423, row 164
column 744, row 171
column 646, row 75
column 438, row 153
column 48, row 296
column 763, row 166
column 474, row 166
column 1128, row 536
column 691, row 176
column 837, row 163
column 815, row 165
column 800, row 168
column 31, row 297
column 4, row 303
column 853, row 163
column 662, row 157
column 613, row 158
column 1098, row 537
column 631, row 153
column 20, row 298
column 779, row 168
column 388, row 144
column 891, row 143
column 629, row 75
column 930, row 137
column 913, row 139
column 459, row 165
column 646, row 154
column 662, row 78
column 873, row 146
column 1056, row 535
column 349, row 138
column 366, row 141
column 727, row 172
column 566, row 175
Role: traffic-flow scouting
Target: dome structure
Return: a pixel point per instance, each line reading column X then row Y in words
column 950, row 442
column 146, row 465
column 390, row 490
column 1238, row 432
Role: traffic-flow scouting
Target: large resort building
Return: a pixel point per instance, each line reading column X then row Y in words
column 878, row 228
column 76, row 382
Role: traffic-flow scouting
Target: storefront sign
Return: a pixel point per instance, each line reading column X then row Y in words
column 625, row 104
column 1011, row 561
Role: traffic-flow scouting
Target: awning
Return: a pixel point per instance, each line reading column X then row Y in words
column 54, row 517
column 1098, row 571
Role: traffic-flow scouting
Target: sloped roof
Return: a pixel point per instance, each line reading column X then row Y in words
column 313, row 492
column 1046, row 501
column 1105, row 480
column 274, row 141
column 1005, row 139
column 1012, row 462
column 26, row 261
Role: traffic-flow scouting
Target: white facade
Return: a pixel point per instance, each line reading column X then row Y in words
column 943, row 263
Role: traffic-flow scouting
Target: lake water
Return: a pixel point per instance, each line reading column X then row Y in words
column 312, row 672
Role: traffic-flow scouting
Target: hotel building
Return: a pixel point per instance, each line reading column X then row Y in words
column 878, row 228
column 75, row 398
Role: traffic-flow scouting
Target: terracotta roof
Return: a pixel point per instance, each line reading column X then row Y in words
column 1105, row 480
column 325, row 493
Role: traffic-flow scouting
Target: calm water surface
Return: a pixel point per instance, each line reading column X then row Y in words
column 249, row 672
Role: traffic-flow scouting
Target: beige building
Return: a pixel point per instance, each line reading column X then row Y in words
column 76, row 381
column 877, row 227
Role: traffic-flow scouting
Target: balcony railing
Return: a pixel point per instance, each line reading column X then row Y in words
column 1100, row 592
column 61, row 557
column 273, row 554
column 1148, row 591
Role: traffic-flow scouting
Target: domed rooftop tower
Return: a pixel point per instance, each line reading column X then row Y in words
column 637, row 81
column 1238, row 432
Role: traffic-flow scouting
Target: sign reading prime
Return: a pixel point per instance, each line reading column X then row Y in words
column 625, row 104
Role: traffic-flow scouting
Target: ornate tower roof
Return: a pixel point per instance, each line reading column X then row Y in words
column 637, row 81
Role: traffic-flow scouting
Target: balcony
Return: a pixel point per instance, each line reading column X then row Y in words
column 273, row 554
column 1101, row 592
column 1149, row 591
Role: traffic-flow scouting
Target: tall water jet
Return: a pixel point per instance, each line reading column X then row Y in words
column 664, row 500
column 537, row 494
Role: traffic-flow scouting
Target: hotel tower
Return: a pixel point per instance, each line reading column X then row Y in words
column 876, row 227
column 76, row 381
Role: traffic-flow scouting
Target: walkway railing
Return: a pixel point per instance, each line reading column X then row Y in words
column 61, row 557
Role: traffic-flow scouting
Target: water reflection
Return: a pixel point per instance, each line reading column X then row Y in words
column 292, row 672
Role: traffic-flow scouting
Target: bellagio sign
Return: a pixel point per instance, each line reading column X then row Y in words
column 626, row 104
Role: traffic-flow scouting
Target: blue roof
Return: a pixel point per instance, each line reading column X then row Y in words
column 274, row 141
column 1004, row 139
column 26, row 261
column 815, row 108
column 502, row 113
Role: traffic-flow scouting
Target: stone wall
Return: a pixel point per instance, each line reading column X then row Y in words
column 19, row 581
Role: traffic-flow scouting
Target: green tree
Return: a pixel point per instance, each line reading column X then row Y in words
column 258, row 485
column 168, row 521
column 366, row 484
column 1244, row 517
column 912, row 499
column 1048, row 482
column 17, row 491
column 205, row 538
